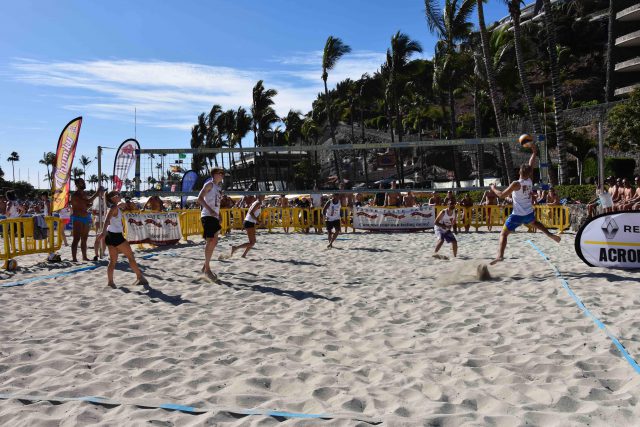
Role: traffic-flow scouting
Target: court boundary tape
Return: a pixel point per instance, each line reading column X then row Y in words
column 69, row 272
column 586, row 311
column 190, row 409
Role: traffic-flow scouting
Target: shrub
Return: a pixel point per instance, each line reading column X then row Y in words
column 582, row 193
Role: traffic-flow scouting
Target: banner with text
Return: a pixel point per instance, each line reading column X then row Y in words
column 154, row 228
column 125, row 159
column 393, row 219
column 610, row 240
column 62, row 166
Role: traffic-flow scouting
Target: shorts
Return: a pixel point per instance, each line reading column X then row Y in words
column 333, row 224
column 248, row 224
column 514, row 221
column 114, row 239
column 210, row 226
column 446, row 235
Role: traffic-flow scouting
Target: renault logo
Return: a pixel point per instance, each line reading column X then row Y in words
column 609, row 228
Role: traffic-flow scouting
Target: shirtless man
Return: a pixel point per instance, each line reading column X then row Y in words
column 465, row 203
column 80, row 217
column 489, row 199
column 435, row 200
column 627, row 195
column 393, row 199
column 154, row 204
column 450, row 197
column 635, row 201
column 409, row 200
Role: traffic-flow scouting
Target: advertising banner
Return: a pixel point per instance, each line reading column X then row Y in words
column 62, row 165
column 610, row 240
column 394, row 219
column 154, row 228
column 188, row 181
column 125, row 159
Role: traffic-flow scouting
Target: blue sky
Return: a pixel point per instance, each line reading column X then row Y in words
column 171, row 61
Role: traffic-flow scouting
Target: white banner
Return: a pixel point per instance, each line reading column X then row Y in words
column 155, row 228
column 394, row 219
column 610, row 240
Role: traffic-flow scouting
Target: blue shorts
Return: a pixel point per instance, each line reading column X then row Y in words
column 514, row 221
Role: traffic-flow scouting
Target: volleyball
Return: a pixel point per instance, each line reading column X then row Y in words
column 525, row 140
column 12, row 265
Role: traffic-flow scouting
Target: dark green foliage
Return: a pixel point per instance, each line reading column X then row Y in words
column 583, row 193
column 624, row 124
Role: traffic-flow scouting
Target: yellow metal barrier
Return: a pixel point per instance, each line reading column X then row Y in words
column 18, row 237
column 302, row 219
column 496, row 216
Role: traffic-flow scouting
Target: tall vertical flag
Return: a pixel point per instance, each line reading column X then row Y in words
column 188, row 181
column 62, row 165
column 125, row 158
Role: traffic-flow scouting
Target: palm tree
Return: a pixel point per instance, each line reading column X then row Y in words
column 77, row 172
column 13, row 158
column 1, row 174
column 242, row 128
column 451, row 26
column 85, row 161
column 198, row 161
column 334, row 49
column 496, row 98
column 48, row 159
column 212, row 137
column 608, row 91
column 151, row 158
column 402, row 47
column 310, row 130
column 555, row 88
column 93, row 180
column 263, row 117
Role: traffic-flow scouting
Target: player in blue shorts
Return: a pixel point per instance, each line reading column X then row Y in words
column 523, row 213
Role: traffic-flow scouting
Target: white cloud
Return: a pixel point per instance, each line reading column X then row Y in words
column 172, row 94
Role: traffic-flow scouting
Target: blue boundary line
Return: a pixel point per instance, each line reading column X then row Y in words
column 586, row 311
column 190, row 409
column 68, row 272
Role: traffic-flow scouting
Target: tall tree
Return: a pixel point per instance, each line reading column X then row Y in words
column 84, row 162
column 13, row 158
column 212, row 136
column 608, row 89
column 263, row 116
column 402, row 48
column 48, row 159
column 242, row 128
column 451, row 25
column 77, row 172
column 496, row 97
column 556, row 87
column 334, row 49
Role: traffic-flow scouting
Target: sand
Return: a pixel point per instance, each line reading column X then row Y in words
column 375, row 329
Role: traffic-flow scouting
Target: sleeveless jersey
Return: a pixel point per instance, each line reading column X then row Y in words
column 522, row 198
column 447, row 219
column 333, row 212
column 256, row 213
column 213, row 198
column 115, row 224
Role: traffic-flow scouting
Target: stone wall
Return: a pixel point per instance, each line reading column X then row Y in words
column 577, row 215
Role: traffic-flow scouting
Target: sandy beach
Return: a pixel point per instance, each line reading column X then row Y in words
column 373, row 331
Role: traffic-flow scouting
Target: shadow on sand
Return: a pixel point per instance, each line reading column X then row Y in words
column 298, row 295
column 155, row 295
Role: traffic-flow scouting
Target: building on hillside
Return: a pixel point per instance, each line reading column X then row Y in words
column 626, row 53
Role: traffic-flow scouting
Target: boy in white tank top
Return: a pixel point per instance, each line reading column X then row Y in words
column 523, row 212
column 445, row 222
column 209, row 199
